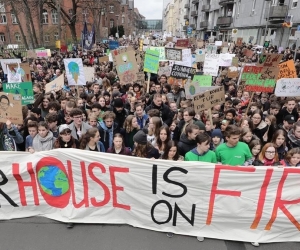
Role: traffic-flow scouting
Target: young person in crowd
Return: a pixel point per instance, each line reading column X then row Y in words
column 90, row 141
column 142, row 147
column 119, row 146
column 255, row 148
column 65, row 139
column 292, row 158
column 268, row 156
column 131, row 127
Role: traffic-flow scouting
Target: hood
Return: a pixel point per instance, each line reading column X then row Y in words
column 194, row 151
column 102, row 125
column 184, row 139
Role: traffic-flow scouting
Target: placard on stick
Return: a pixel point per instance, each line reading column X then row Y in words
column 11, row 108
column 55, row 85
column 20, row 88
column 184, row 43
column 269, row 60
column 288, row 87
column 208, row 99
column 287, row 70
column 182, row 73
column 173, row 54
column 151, row 62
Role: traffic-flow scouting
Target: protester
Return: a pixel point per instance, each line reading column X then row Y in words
column 90, row 141
column 268, row 156
column 119, row 146
column 65, row 139
column 142, row 147
column 292, row 158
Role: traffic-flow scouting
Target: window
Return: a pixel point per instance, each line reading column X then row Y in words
column 2, row 14
column 111, row 23
column 274, row 2
column 14, row 19
column 294, row 3
column 18, row 37
column 56, row 36
column 253, row 7
column 70, row 11
column 2, row 37
column 45, row 17
column 123, row 19
column 47, row 38
column 238, row 8
column 123, row 9
column 111, row 8
column 54, row 16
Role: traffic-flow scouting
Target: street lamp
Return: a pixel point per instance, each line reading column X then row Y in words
column 267, row 21
column 117, row 35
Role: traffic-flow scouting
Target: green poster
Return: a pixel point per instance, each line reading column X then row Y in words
column 203, row 80
column 22, row 88
column 151, row 62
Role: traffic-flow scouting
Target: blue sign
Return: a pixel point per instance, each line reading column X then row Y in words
column 189, row 30
column 113, row 45
column 298, row 28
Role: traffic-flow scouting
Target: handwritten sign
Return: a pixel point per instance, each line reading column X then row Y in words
column 162, row 53
column 269, row 60
column 151, row 62
column 41, row 53
column 113, row 45
column 225, row 60
column 208, row 99
column 203, row 80
column 182, row 43
column 235, row 62
column 182, row 72
column 173, row 54
column 239, row 41
column 103, row 59
column 11, row 108
column 260, row 79
column 200, row 44
column 31, row 54
column 164, row 71
column 211, row 49
column 211, row 64
column 232, row 72
column 89, row 73
column 287, row 70
column 5, row 62
column 24, row 89
column 288, row 87
column 55, row 85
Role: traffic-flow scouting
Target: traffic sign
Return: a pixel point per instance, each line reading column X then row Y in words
column 189, row 30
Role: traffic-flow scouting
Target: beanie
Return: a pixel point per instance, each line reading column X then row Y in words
column 118, row 103
column 140, row 137
column 200, row 124
column 217, row 133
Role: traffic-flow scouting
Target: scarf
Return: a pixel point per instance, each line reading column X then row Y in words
column 293, row 138
column 268, row 162
column 43, row 144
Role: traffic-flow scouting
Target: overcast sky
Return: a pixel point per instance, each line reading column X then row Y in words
column 151, row 9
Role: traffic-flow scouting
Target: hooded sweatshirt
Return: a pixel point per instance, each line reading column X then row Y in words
column 185, row 145
column 194, row 155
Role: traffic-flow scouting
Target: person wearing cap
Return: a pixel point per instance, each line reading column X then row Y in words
column 289, row 109
column 65, row 139
column 216, row 139
column 187, row 139
column 143, row 148
column 120, row 112
column 288, row 122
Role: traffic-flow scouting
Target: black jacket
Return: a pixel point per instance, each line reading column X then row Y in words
column 185, row 145
column 283, row 113
column 120, row 117
column 259, row 163
column 165, row 112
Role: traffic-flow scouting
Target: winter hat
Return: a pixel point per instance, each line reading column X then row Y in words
column 116, row 93
column 140, row 137
column 106, row 93
column 118, row 103
column 63, row 127
column 200, row 124
column 217, row 133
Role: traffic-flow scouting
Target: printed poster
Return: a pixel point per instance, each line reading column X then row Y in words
column 74, row 71
column 4, row 63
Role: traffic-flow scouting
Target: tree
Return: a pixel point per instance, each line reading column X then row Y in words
column 114, row 29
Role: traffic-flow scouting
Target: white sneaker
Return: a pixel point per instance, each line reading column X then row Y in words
column 256, row 244
column 199, row 238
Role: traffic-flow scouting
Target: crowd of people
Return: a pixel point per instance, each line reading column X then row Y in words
column 249, row 129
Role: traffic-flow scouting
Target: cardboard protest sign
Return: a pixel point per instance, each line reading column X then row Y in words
column 211, row 64
column 173, row 54
column 225, row 60
column 55, row 85
column 162, row 53
column 200, row 44
column 288, row 87
column 151, row 62
column 140, row 78
column 260, row 79
column 287, row 70
column 224, row 50
column 269, row 60
column 24, row 89
column 235, row 62
column 11, row 108
column 17, row 70
column 164, row 71
column 200, row 55
column 4, row 63
column 182, row 72
column 41, row 53
column 74, row 71
column 208, row 99
column 103, row 59
column 184, row 43
column 31, row 54
column 203, row 80
column 239, row 41
column 112, row 45
column 126, row 64
column 169, row 39
column 191, row 89
column 186, row 58
column 89, row 73
column 232, row 72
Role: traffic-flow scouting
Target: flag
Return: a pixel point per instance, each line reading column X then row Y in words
column 84, row 36
column 91, row 39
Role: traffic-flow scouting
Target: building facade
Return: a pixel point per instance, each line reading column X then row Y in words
column 255, row 20
column 35, row 25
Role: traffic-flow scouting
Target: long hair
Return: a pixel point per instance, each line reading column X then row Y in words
column 162, row 144
column 128, row 123
column 141, row 150
column 276, row 134
column 84, row 140
column 169, row 145
column 261, row 155
column 118, row 135
column 291, row 153
column 157, row 123
column 57, row 144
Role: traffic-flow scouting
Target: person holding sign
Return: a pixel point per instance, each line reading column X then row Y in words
column 9, row 137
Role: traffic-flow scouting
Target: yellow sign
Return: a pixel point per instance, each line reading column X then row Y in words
column 57, row 44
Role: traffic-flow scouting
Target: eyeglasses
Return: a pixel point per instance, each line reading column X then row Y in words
column 270, row 152
column 77, row 117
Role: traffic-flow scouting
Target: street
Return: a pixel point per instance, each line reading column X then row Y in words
column 44, row 234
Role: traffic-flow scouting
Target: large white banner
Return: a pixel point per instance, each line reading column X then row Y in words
column 252, row 204
column 74, row 71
